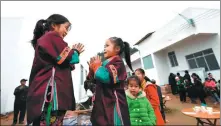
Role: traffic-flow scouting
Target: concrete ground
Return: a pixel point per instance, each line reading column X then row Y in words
column 173, row 115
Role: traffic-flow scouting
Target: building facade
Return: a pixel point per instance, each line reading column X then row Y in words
column 181, row 45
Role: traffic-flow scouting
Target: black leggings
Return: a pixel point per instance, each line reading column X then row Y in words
column 19, row 106
column 200, row 93
column 182, row 94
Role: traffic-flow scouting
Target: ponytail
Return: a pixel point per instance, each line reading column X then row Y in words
column 45, row 25
column 38, row 31
column 124, row 47
column 127, row 55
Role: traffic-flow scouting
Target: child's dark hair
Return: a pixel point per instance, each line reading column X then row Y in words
column 124, row 47
column 134, row 78
column 147, row 79
column 153, row 81
column 45, row 25
column 197, row 77
column 140, row 70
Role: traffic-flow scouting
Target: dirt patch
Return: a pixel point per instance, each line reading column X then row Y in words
column 173, row 112
column 176, row 117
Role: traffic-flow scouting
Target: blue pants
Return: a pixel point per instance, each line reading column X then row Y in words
column 214, row 96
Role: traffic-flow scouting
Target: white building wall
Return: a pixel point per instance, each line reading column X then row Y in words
column 135, row 64
column 79, row 91
column 194, row 45
column 173, row 36
column 209, row 22
column 152, row 74
column 135, row 56
column 178, row 29
column 162, row 67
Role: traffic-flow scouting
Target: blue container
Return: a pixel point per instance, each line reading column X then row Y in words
column 70, row 121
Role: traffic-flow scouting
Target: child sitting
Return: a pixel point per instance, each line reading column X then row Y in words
column 141, row 111
column 210, row 85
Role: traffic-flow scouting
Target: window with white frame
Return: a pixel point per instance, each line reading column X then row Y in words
column 172, row 58
column 148, row 62
column 205, row 59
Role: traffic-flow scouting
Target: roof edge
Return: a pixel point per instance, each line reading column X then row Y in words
column 145, row 37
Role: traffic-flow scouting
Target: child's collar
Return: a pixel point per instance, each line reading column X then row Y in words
column 140, row 94
column 109, row 59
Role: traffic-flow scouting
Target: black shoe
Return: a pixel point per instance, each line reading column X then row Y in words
column 14, row 123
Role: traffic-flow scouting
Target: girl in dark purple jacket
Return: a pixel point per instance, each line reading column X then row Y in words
column 110, row 107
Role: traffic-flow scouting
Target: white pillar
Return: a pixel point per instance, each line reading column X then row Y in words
column 141, row 59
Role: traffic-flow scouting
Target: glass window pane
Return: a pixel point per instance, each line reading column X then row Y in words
column 212, row 62
column 148, row 63
column 198, row 54
column 201, row 63
column 192, row 63
column 171, row 53
column 171, row 61
column 175, row 60
column 208, row 51
column 189, row 56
